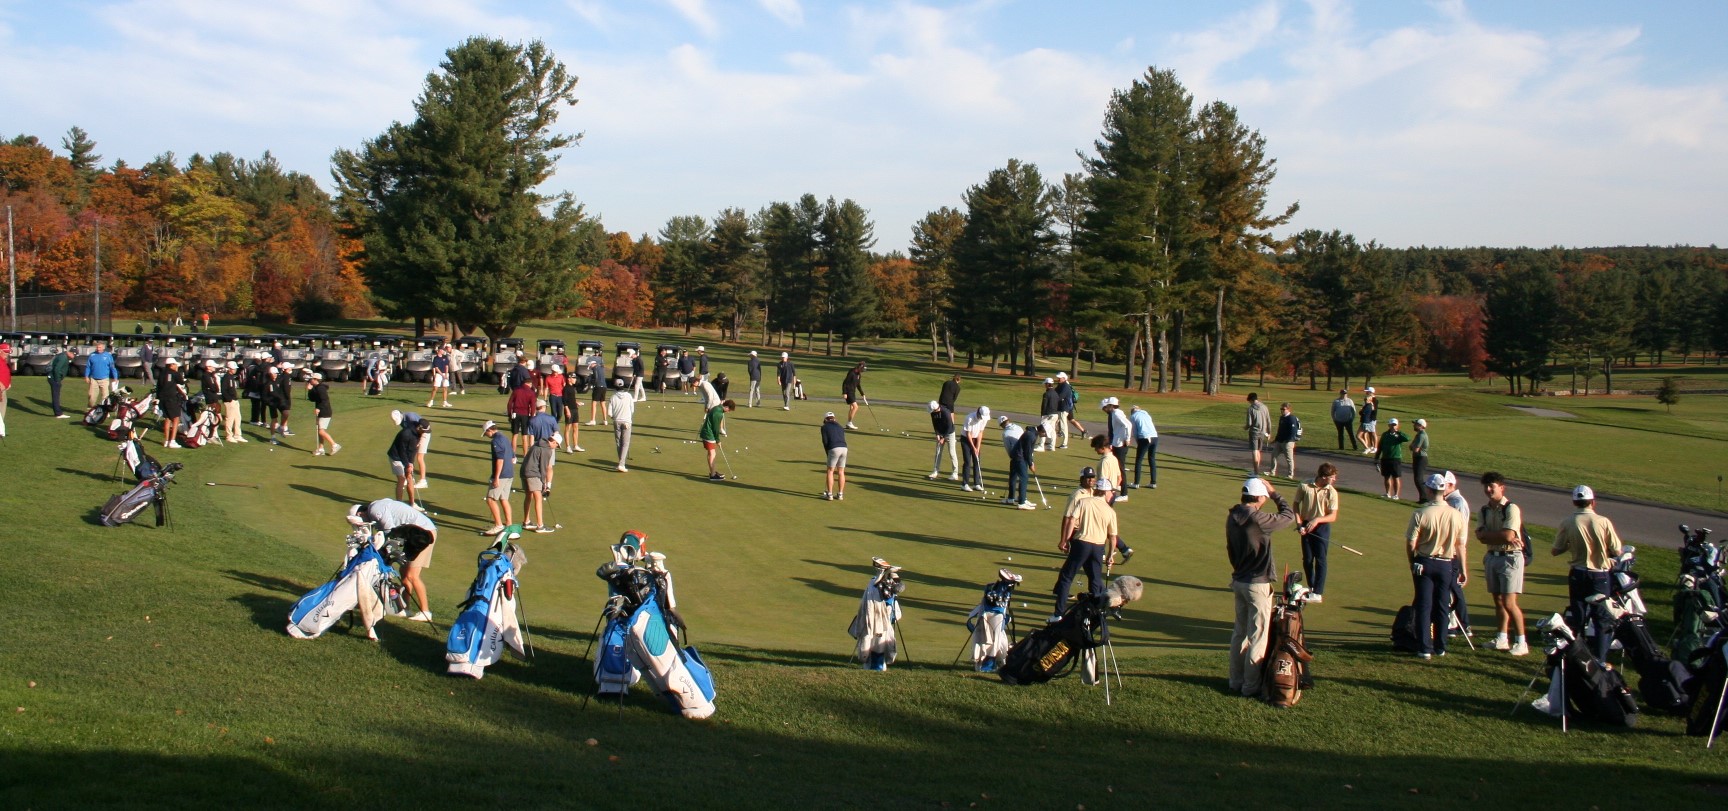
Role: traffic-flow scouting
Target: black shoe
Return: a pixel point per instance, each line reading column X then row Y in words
column 715, row 477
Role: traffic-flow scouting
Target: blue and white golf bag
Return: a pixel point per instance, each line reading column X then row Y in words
column 613, row 670
column 878, row 612
column 362, row 584
column 989, row 623
column 640, row 636
column 676, row 673
column 488, row 621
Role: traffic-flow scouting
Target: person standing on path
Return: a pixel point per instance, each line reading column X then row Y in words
column 942, row 423
column 1050, row 414
column 1316, row 508
column 834, row 448
column 503, row 473
column 786, row 375
column 319, row 395
column 1284, row 443
column 1432, row 544
column 1344, row 419
column 753, row 369
column 713, row 428
column 100, row 375
column 972, row 448
column 1145, row 446
column 1248, row 541
column 1259, row 427
column 1419, row 458
column 851, row 389
column 1389, row 456
column 58, row 368
column 1500, row 528
column 1593, row 546
column 623, row 416
column 1370, row 416
column 1095, row 532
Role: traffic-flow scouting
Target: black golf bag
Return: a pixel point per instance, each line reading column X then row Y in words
column 1660, row 679
column 1707, row 716
column 1054, row 649
column 1582, row 686
column 1404, row 630
column 152, row 491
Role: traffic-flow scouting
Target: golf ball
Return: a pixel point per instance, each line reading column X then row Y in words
column 1010, row 557
column 1023, row 605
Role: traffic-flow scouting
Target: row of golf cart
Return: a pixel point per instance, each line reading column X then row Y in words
column 338, row 357
column 551, row 353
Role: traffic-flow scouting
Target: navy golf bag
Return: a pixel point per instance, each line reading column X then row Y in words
column 1660, row 679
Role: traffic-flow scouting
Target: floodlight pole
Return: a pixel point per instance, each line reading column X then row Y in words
column 96, row 312
column 11, row 273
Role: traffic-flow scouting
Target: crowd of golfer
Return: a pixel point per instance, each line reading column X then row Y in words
column 543, row 416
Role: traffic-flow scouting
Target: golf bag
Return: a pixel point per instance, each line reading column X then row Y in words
column 1696, row 618
column 488, row 619
column 1056, row 648
column 1287, row 655
column 151, row 491
column 642, row 626
column 874, row 624
column 1580, row 685
column 676, row 673
column 991, row 623
column 362, row 584
column 142, row 465
column 614, row 673
column 1703, row 560
column 1659, row 678
column 1707, row 716
column 125, row 413
column 201, row 424
column 109, row 405
column 1404, row 630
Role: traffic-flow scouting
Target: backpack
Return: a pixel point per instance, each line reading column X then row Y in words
column 1404, row 630
column 1298, row 421
column 1287, row 658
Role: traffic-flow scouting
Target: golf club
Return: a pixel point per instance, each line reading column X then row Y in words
column 728, row 461
column 1041, row 498
column 230, row 484
column 872, row 410
column 1350, row 550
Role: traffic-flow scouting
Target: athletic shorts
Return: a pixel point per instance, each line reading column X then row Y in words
column 710, row 445
column 837, row 458
column 535, row 485
column 1504, row 572
column 323, row 423
column 598, row 394
column 1391, row 468
column 851, row 398
column 1257, row 442
column 518, row 424
column 398, row 468
column 499, row 493
column 1372, row 427
column 440, row 380
column 172, row 409
column 425, row 442
column 424, row 559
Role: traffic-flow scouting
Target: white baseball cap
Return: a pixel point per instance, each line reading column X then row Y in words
column 828, row 416
column 396, row 416
column 1061, row 375
column 934, row 405
column 1583, row 493
column 1421, row 423
column 1255, row 487
column 984, row 411
column 701, row 349
column 490, row 424
column 1451, row 480
column 1002, row 420
column 752, row 353
column 1369, row 390
column 784, row 356
column 1104, row 484
column 1435, row 481
column 1049, row 381
column 1393, row 421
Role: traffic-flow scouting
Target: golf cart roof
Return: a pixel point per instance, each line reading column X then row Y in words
column 586, row 345
column 314, row 336
column 552, row 343
column 429, row 342
column 200, row 339
column 509, row 343
column 232, row 339
column 470, row 342
column 623, row 345
column 664, row 348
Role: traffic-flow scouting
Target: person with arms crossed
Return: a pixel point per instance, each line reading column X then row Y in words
column 1370, row 416
column 1500, row 528
column 1248, row 541
column 1389, row 456
column 1344, row 419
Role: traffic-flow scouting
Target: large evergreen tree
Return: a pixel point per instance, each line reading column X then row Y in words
column 933, row 259
column 1004, row 261
column 853, row 308
column 684, row 288
column 447, row 207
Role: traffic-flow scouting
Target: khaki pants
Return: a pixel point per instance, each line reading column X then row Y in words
column 231, row 420
column 98, row 391
column 1052, row 426
column 1248, row 640
column 1286, row 452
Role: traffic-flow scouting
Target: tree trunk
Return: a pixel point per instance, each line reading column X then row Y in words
column 1206, row 388
column 1128, row 364
column 1163, row 350
column 419, row 326
column 1146, row 360
column 948, row 341
column 935, row 345
column 1216, row 380
column 1074, row 359
column 1176, row 349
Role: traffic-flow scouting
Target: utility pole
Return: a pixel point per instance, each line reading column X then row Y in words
column 96, row 310
column 11, row 272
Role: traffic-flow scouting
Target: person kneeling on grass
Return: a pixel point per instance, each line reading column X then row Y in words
column 713, row 428
column 418, row 534
column 834, row 446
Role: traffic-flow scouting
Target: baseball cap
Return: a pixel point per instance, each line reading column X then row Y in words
column 752, row 353
column 1256, row 487
column 1421, row 423
column 784, row 356
column 1049, row 381
column 1451, row 480
column 618, row 383
column 1393, row 421
column 701, row 349
column 1369, row 390
column 557, row 370
column 1088, row 473
column 171, row 361
column 1002, row 420
column 540, row 404
column 984, row 412
column 396, row 416
column 233, row 365
column 1435, row 481
column 1061, row 375
column 1104, row 484
column 317, row 375
column 1583, row 493
column 934, row 405
column 828, row 416
column 490, row 424
column 287, row 367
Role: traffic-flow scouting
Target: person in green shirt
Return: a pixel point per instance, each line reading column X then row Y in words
column 58, row 368
column 1390, row 457
column 713, row 428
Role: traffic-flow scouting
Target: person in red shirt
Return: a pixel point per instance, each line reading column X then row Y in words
column 521, row 409
column 5, row 382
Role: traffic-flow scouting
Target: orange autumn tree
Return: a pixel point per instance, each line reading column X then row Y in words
column 896, row 288
column 616, row 294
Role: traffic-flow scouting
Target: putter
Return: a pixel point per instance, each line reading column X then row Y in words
column 1040, row 491
column 728, row 460
column 872, row 410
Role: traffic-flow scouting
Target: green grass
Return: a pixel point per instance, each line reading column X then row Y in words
column 163, row 677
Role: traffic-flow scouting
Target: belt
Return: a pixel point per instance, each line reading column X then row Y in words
column 1503, row 552
column 1431, row 557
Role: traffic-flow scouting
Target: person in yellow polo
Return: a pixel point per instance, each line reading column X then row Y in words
column 1093, row 535
column 1434, row 543
column 1593, row 544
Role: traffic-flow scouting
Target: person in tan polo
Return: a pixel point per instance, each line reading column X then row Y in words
column 1501, row 529
column 1316, row 508
column 1593, row 544
column 1094, row 535
column 1434, row 543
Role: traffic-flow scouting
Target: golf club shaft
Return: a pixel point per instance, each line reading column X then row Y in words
column 1350, row 550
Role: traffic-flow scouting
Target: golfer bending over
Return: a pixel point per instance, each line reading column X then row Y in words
column 834, row 446
column 398, row 520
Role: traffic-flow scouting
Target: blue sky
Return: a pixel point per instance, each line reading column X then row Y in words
column 1522, row 122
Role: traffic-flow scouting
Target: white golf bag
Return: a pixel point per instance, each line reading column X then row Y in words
column 362, row 584
column 489, row 621
column 878, row 611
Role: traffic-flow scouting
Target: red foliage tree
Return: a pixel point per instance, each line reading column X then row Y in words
column 1454, row 328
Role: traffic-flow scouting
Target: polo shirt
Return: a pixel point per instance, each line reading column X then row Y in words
column 1094, row 521
column 1591, row 539
column 1496, row 518
column 1437, row 529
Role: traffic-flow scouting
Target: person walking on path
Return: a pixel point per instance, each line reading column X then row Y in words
column 1284, row 443
column 1500, row 528
column 1344, row 419
column 503, row 472
column 58, row 368
column 753, row 369
column 1121, row 434
column 1389, row 456
column 1248, row 541
column 1070, row 404
column 786, row 375
column 942, row 423
column 852, row 390
column 1050, row 414
column 1592, row 545
column 623, row 416
column 1259, row 427
column 972, row 448
column 1145, row 446
column 1316, row 509
column 1095, row 530
column 713, row 428
column 100, row 375
column 834, row 448
column 319, row 395
column 1370, row 416
column 1432, row 544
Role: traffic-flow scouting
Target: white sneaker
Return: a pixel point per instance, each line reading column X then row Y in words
column 591, row 422
column 966, row 487
column 334, row 447
column 1317, row 598
column 319, row 452
column 428, row 403
column 1501, row 642
column 63, row 416
column 851, row 427
column 421, row 616
column 171, row 445
column 420, row 485
column 1120, row 499
column 954, row 477
column 785, row 408
column 933, row 475
column 1520, row 648
column 580, row 449
column 420, row 507
column 623, row 469
column 240, row 439
column 1027, row 505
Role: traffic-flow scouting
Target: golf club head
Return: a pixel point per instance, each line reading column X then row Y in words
column 1008, row 577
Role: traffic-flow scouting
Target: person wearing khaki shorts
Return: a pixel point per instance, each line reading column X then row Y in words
column 503, row 471
column 1501, row 529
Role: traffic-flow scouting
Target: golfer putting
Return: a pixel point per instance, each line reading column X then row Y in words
column 713, row 428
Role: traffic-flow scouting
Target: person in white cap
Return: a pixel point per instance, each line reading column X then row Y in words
column 786, row 375
column 228, row 386
column 1419, row 457
column 701, row 363
column 623, row 417
column 1120, row 430
column 1095, row 531
column 441, row 376
column 1389, row 455
column 1370, row 416
column 971, row 446
column 1434, row 542
column 1593, row 545
column 942, row 423
column 753, row 369
column 1248, row 541
column 1456, row 500
column 282, row 396
column 1501, row 529
column 1050, row 409
column 171, row 398
column 319, row 395
column 1070, row 404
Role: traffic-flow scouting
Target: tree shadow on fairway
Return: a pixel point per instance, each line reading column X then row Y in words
column 942, row 541
column 328, row 495
column 346, row 470
column 939, row 607
column 265, row 581
column 775, row 656
column 1152, row 581
column 269, row 611
column 105, row 478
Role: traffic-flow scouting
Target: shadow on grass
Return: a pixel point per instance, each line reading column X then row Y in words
column 264, row 581
column 327, row 494
column 270, row 612
column 943, row 541
column 347, row 470
column 105, row 478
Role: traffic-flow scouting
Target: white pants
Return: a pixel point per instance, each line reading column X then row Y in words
column 1051, row 428
column 953, row 456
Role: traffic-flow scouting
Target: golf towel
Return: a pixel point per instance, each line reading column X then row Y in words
column 873, row 627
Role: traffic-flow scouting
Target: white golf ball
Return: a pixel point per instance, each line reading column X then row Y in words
column 1010, row 557
column 1023, row 605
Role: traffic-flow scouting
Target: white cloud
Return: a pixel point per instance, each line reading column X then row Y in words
column 789, row 12
column 696, row 13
